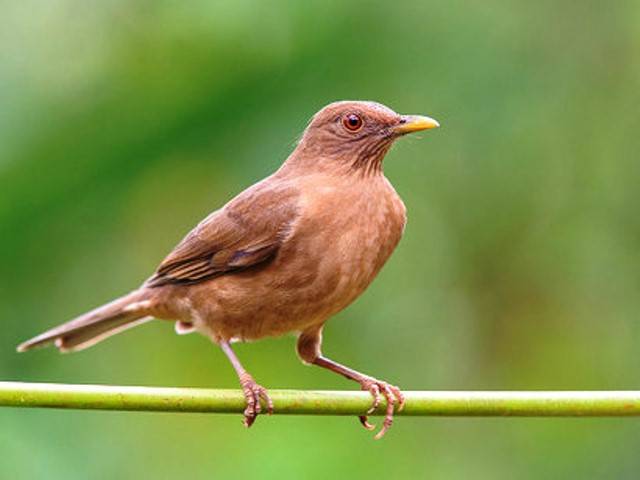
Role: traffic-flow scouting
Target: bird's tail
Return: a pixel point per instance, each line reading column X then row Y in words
column 94, row 326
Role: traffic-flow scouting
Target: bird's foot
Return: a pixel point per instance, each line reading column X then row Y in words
column 253, row 393
column 393, row 397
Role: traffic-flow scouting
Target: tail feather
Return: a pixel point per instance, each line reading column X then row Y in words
column 96, row 325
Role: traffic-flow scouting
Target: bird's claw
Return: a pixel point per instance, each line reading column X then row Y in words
column 364, row 420
column 253, row 392
column 393, row 396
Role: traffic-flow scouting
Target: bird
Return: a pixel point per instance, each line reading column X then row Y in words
column 283, row 256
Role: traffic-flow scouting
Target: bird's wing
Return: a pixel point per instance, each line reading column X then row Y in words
column 247, row 232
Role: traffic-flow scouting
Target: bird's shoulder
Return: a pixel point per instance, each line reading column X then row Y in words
column 247, row 231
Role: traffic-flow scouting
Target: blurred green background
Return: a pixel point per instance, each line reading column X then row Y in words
column 123, row 123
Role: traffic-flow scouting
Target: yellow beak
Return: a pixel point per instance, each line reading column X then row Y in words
column 415, row 123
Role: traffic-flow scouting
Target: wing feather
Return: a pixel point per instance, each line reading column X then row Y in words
column 247, row 232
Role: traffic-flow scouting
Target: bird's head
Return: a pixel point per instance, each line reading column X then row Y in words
column 356, row 134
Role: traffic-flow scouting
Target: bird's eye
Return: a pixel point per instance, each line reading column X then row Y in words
column 352, row 122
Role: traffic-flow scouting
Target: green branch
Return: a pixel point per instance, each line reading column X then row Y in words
column 440, row 403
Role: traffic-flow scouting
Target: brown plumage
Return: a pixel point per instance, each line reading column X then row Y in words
column 283, row 256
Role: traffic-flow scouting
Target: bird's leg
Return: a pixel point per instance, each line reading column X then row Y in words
column 252, row 391
column 309, row 351
column 377, row 388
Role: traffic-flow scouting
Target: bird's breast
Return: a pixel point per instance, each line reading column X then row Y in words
column 349, row 229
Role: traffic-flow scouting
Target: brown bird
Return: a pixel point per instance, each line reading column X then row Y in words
column 283, row 256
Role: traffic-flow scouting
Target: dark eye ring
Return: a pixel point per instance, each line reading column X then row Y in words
column 352, row 122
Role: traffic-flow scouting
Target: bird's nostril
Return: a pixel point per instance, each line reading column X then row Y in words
column 402, row 120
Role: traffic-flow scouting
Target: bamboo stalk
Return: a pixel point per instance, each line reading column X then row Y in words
column 302, row 402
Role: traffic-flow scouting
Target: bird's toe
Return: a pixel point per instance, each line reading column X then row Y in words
column 394, row 402
column 253, row 393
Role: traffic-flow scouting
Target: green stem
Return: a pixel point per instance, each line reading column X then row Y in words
column 440, row 403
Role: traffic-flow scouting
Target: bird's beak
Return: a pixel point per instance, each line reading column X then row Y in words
column 414, row 123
